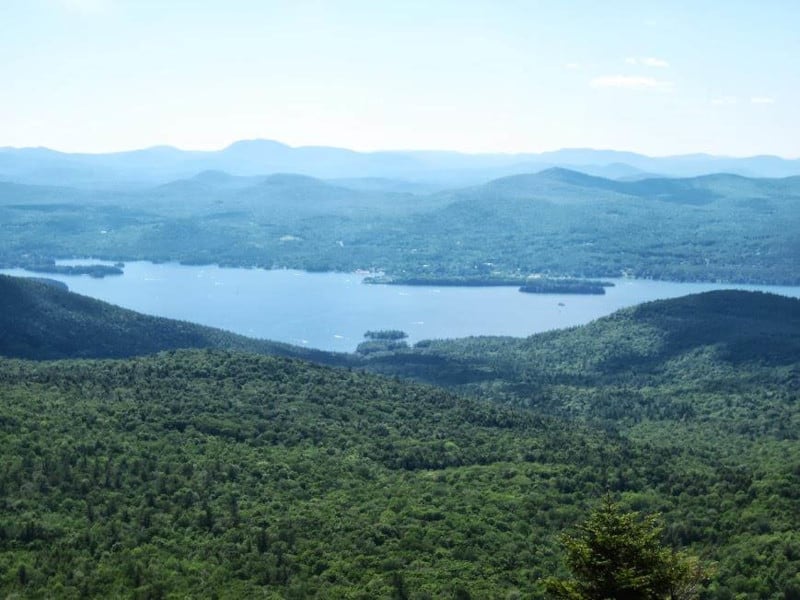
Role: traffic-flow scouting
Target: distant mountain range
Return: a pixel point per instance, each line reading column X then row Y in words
column 262, row 157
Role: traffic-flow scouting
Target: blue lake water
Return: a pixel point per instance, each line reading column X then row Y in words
column 332, row 311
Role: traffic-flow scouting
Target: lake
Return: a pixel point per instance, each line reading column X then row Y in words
column 331, row 311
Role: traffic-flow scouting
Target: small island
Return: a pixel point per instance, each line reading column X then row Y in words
column 547, row 285
column 97, row 271
column 382, row 340
column 386, row 334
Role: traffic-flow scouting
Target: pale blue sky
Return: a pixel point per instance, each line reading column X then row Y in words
column 661, row 78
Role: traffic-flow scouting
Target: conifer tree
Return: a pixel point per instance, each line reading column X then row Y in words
column 620, row 556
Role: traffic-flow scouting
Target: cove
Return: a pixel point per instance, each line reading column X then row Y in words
column 331, row 311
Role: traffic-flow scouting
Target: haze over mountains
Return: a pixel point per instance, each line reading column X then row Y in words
column 312, row 481
column 260, row 157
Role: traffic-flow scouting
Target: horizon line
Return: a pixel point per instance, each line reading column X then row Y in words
column 401, row 150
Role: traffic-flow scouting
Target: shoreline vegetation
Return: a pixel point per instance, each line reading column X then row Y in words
column 385, row 334
column 527, row 284
column 454, row 281
column 548, row 284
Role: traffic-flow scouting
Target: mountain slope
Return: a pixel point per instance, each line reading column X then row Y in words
column 740, row 327
column 43, row 322
column 690, row 359
column 206, row 473
column 557, row 183
column 715, row 228
column 713, row 376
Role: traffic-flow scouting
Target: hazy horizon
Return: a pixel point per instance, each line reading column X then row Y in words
column 97, row 76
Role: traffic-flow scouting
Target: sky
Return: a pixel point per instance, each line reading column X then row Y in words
column 661, row 78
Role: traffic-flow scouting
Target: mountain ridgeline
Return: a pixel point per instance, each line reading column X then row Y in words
column 257, row 157
column 556, row 223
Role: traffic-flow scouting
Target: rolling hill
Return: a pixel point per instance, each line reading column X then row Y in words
column 557, row 222
column 713, row 228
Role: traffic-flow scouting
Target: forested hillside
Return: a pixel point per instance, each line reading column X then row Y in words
column 556, row 222
column 560, row 222
column 726, row 361
column 207, row 472
column 203, row 473
column 41, row 321
column 714, row 341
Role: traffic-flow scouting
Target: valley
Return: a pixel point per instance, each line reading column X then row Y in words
column 399, row 301
column 276, row 476
column 331, row 311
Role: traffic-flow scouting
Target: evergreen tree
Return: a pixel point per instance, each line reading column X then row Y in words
column 618, row 555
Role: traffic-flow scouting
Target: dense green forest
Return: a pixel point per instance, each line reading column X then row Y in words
column 207, row 473
column 557, row 223
column 241, row 475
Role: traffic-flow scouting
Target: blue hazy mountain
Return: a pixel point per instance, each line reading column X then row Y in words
column 161, row 164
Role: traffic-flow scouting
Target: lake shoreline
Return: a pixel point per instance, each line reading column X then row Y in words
column 331, row 311
column 381, row 278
